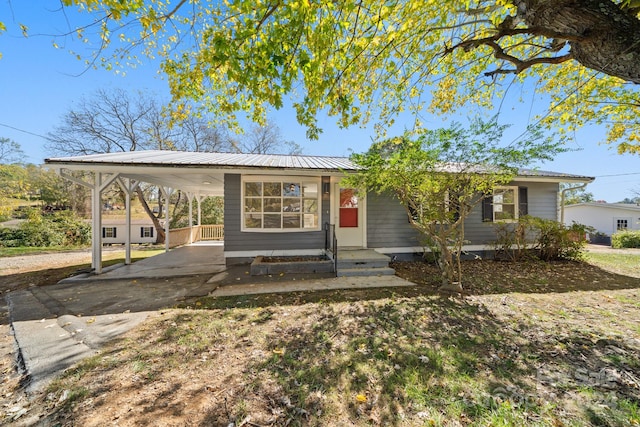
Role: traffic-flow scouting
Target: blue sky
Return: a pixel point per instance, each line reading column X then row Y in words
column 39, row 84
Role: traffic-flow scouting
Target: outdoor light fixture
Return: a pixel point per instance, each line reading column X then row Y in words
column 326, row 187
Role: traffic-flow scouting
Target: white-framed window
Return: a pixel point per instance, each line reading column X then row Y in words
column 146, row 231
column 505, row 203
column 275, row 204
column 622, row 224
column 109, row 232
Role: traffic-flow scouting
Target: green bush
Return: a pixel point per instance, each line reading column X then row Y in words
column 549, row 239
column 625, row 239
column 62, row 228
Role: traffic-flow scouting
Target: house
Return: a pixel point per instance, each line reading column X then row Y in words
column 114, row 231
column 606, row 218
column 295, row 205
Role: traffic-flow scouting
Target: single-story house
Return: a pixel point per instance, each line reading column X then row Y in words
column 296, row 205
column 606, row 218
column 141, row 231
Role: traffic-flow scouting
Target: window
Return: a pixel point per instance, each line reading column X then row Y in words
column 505, row 201
column 449, row 205
column 348, row 207
column 506, row 204
column 290, row 204
column 622, row 224
column 109, row 232
column 146, row 231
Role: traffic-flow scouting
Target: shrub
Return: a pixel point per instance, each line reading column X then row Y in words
column 62, row 228
column 626, row 239
column 511, row 242
column 549, row 239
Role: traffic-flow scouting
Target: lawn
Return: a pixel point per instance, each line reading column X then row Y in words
column 532, row 344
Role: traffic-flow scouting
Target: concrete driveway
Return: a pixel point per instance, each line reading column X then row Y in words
column 57, row 326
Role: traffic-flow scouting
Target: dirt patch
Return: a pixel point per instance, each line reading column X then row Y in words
column 481, row 277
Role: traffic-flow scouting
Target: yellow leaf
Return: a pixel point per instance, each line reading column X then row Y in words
column 278, row 351
column 361, row 398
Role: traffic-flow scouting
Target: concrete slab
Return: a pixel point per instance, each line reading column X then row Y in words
column 311, row 285
column 181, row 261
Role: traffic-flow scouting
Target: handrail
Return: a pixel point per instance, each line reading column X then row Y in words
column 331, row 243
column 211, row 232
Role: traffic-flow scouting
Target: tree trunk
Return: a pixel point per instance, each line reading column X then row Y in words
column 156, row 222
column 608, row 37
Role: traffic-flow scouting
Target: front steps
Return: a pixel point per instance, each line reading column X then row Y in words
column 362, row 262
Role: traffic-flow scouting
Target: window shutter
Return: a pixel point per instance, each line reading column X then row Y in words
column 141, row 231
column 487, row 208
column 104, row 232
column 115, row 229
column 523, row 202
column 151, row 231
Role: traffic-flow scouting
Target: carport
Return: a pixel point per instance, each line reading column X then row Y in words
column 195, row 176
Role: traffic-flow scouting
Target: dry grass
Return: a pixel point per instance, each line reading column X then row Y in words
column 534, row 344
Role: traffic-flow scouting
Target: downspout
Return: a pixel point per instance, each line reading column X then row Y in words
column 562, row 197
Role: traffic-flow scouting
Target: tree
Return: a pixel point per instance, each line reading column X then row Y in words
column 10, row 151
column 441, row 176
column 362, row 60
column 111, row 121
column 265, row 139
column 574, row 196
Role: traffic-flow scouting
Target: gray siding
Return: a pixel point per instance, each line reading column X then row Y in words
column 388, row 225
column 236, row 240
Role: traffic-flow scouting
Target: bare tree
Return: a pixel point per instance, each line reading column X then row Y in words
column 265, row 139
column 10, row 151
column 112, row 121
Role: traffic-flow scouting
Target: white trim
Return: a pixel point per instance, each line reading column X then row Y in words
column 420, row 249
column 335, row 209
column 272, row 252
column 282, row 178
column 516, row 203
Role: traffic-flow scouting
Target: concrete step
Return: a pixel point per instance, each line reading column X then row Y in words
column 352, row 272
column 363, row 263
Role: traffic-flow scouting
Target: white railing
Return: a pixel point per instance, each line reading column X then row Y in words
column 212, row 232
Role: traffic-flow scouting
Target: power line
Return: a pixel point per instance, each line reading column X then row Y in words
column 618, row 174
column 24, row 131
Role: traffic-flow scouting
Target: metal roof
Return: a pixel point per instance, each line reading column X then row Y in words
column 203, row 173
column 191, row 159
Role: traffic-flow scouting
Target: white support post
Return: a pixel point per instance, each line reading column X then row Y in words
column 190, row 197
column 167, row 192
column 96, row 225
column 200, row 199
column 127, row 241
column 128, row 186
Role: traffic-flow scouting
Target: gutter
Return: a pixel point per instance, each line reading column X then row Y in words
column 562, row 197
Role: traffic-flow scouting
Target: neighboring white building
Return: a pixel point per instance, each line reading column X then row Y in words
column 606, row 218
column 114, row 231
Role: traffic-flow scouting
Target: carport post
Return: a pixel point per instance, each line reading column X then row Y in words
column 96, row 226
column 200, row 199
column 167, row 196
column 127, row 185
column 190, row 197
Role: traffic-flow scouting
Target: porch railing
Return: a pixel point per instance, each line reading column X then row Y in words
column 331, row 244
column 212, row 232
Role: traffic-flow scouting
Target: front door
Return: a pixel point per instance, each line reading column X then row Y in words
column 349, row 217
